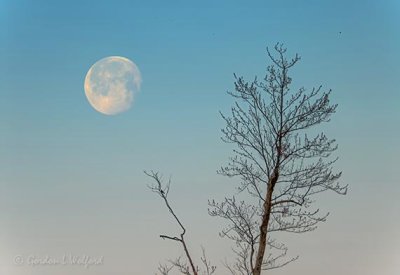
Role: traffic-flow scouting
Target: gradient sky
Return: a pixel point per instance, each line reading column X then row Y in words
column 71, row 179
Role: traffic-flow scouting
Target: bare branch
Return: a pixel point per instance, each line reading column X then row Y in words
column 162, row 191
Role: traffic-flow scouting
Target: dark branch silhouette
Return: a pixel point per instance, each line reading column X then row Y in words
column 190, row 268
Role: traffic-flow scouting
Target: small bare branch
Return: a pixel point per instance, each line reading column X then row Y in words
column 162, row 191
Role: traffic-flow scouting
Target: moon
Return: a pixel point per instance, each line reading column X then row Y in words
column 111, row 84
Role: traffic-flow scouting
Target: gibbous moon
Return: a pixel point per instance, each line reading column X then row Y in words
column 111, row 84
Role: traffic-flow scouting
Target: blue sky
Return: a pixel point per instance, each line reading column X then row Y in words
column 71, row 178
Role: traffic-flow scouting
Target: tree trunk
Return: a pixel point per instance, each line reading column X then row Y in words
column 264, row 224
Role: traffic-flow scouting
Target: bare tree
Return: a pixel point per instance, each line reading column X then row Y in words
column 278, row 164
column 185, row 267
